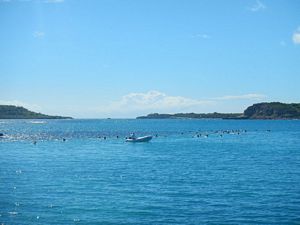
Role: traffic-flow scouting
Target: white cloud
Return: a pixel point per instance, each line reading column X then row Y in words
column 155, row 101
column 258, row 6
column 242, row 97
column 296, row 36
column 38, row 34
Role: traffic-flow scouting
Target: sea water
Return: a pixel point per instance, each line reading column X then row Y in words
column 192, row 172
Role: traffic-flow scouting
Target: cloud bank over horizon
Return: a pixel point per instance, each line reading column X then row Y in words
column 156, row 101
column 141, row 103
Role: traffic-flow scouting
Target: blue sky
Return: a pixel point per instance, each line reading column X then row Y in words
column 109, row 58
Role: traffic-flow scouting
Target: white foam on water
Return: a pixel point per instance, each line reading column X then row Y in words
column 36, row 122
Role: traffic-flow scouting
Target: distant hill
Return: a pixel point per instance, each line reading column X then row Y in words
column 272, row 110
column 193, row 116
column 18, row 112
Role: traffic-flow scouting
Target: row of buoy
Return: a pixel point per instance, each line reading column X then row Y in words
column 156, row 135
column 221, row 132
column 197, row 134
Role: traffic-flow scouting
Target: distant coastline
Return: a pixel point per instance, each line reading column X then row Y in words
column 18, row 112
column 265, row 110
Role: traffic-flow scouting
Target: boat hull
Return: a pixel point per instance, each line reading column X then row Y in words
column 139, row 139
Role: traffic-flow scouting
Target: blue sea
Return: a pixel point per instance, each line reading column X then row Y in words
column 192, row 172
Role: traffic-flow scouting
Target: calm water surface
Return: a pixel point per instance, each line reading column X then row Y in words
column 249, row 174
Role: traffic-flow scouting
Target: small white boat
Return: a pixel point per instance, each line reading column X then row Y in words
column 36, row 122
column 139, row 139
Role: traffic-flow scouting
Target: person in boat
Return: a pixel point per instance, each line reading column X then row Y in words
column 132, row 136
